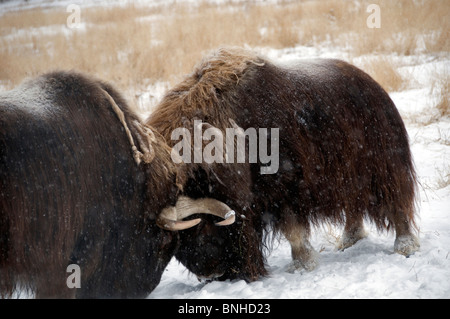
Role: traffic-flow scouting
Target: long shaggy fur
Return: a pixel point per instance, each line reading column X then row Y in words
column 71, row 193
column 207, row 95
column 344, row 151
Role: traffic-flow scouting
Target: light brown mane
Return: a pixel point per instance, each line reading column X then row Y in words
column 201, row 93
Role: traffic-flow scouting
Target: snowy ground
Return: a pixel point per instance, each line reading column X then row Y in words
column 369, row 269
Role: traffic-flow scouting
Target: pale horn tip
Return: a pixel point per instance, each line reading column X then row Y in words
column 230, row 218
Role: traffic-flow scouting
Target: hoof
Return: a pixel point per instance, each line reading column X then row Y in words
column 351, row 238
column 308, row 265
column 406, row 245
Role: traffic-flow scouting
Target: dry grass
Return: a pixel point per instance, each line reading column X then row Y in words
column 407, row 26
column 444, row 178
column 385, row 72
column 134, row 46
column 442, row 88
column 102, row 47
column 439, row 108
column 17, row 20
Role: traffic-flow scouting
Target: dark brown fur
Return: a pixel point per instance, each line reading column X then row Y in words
column 344, row 155
column 71, row 193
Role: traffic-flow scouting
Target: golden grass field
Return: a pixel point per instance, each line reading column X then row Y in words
column 134, row 46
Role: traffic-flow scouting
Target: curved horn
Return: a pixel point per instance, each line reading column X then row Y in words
column 168, row 220
column 171, row 217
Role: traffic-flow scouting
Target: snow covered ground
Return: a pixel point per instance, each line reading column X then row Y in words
column 369, row 269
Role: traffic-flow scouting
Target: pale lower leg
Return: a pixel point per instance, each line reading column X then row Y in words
column 406, row 243
column 303, row 254
column 353, row 232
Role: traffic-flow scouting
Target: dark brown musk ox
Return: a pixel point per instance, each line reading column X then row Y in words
column 343, row 156
column 83, row 182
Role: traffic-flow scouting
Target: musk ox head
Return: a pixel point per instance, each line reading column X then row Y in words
column 221, row 253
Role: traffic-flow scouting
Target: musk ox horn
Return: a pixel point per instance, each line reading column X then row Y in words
column 171, row 218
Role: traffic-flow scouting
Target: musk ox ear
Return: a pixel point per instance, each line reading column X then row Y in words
column 171, row 218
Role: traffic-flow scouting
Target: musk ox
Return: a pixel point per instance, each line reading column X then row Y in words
column 83, row 182
column 343, row 157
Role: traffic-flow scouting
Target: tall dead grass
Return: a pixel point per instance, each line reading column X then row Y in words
column 385, row 72
column 442, row 85
column 134, row 46
column 406, row 26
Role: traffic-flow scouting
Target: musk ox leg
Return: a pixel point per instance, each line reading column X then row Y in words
column 406, row 243
column 304, row 255
column 353, row 231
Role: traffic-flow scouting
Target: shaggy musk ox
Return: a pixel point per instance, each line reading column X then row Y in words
column 83, row 182
column 343, row 156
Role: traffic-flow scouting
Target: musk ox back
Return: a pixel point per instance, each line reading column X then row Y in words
column 71, row 192
column 343, row 156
